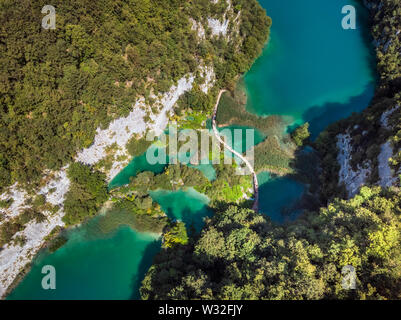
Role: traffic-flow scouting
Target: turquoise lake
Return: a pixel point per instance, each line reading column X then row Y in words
column 137, row 165
column 96, row 267
column 278, row 196
column 188, row 206
column 312, row 70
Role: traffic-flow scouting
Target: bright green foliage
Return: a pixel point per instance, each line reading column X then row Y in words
column 242, row 255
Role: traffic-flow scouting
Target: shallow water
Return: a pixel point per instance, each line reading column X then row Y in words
column 137, row 165
column 140, row 164
column 278, row 197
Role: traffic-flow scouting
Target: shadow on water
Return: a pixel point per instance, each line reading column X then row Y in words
column 187, row 205
column 192, row 218
column 364, row 25
column 319, row 117
column 147, row 260
column 285, row 198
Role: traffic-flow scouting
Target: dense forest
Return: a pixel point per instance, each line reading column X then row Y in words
column 58, row 86
column 243, row 255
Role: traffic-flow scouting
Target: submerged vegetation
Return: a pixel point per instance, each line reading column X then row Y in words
column 228, row 187
column 243, row 255
column 59, row 85
column 381, row 121
column 87, row 193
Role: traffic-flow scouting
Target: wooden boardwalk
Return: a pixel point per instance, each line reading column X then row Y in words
column 255, row 206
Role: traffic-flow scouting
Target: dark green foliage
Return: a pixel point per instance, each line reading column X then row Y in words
column 387, row 23
column 87, row 193
column 5, row 204
column 242, row 255
column 39, row 201
column 59, row 85
column 28, row 215
column 19, row 240
column 9, row 228
column 195, row 100
column 57, row 243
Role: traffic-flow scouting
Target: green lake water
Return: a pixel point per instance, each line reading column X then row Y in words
column 140, row 164
column 312, row 70
column 188, row 206
column 95, row 267
column 240, row 145
column 137, row 165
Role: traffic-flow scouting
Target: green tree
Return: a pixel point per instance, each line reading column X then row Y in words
column 301, row 134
